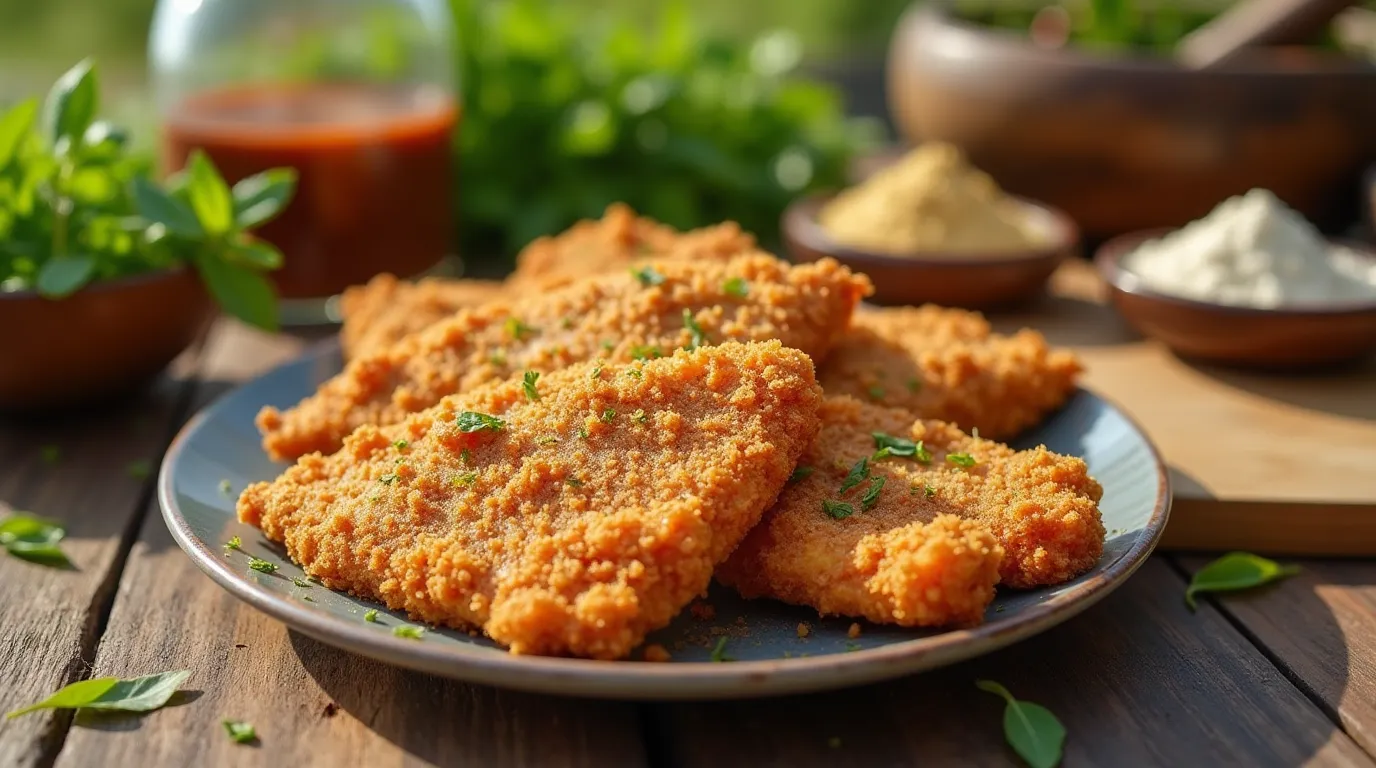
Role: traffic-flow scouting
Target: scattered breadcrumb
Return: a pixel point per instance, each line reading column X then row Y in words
column 854, row 630
column 703, row 611
column 804, row 629
column 657, row 653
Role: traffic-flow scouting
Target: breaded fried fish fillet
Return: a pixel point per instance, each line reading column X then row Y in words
column 946, row 364
column 619, row 317
column 569, row 513
column 919, row 534
column 384, row 311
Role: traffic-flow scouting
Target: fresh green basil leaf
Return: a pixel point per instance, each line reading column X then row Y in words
column 1031, row 729
column 71, row 106
column 1235, row 571
column 858, row 473
column 140, row 694
column 103, row 141
column 64, row 275
column 257, row 254
column 94, row 185
column 260, row 197
column 34, row 539
column 240, row 291
column 472, row 421
column 240, row 732
column 162, row 208
column 210, row 197
column 14, row 127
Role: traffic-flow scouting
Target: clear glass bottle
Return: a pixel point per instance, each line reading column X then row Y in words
column 358, row 95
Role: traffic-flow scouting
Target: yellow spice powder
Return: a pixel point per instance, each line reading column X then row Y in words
column 930, row 200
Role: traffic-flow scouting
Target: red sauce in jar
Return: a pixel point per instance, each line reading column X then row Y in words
column 374, row 192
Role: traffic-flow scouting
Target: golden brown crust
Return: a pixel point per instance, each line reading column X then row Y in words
column 386, row 310
column 946, row 364
column 938, row 537
column 806, row 307
column 552, row 542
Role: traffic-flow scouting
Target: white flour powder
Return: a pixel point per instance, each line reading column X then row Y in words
column 1253, row 251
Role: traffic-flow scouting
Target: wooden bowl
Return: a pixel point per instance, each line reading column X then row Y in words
column 1284, row 338
column 102, row 341
column 969, row 280
column 1123, row 143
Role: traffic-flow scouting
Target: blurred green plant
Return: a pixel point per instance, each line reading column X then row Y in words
column 562, row 117
column 76, row 208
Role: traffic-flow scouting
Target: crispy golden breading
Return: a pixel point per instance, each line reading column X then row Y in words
column 616, row 316
column 945, row 364
column 592, row 515
column 923, row 554
column 616, row 241
column 381, row 313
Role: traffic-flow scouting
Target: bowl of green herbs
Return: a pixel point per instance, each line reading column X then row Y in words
column 105, row 273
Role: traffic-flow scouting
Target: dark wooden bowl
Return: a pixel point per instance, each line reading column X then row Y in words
column 1279, row 339
column 972, row 281
column 1123, row 143
column 101, row 341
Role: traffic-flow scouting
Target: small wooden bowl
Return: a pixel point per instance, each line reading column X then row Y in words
column 969, row 280
column 102, row 341
column 1283, row 338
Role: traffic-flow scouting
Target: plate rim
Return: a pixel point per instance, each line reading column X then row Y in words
column 629, row 679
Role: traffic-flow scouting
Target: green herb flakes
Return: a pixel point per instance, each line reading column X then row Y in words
column 139, row 694
column 647, row 276
column 1031, row 729
column 261, row 566
column 736, row 286
column 857, row 475
column 517, row 330
column 300, row 582
column 528, row 385
column 596, row 371
column 607, row 416
column 639, row 416
column 466, row 478
column 139, row 469
column 889, row 445
column 388, row 479
column 33, row 539
column 226, row 488
column 634, row 373
column 466, row 457
column 573, row 481
column 370, row 616
column 871, row 496
column 408, row 631
column 1235, row 571
column 471, row 421
column 719, row 652
column 962, row 460
column 240, row 732
column 697, row 337
column 646, row 352
column 928, row 490
column 583, row 433
column 401, row 445
column 497, row 358
column 234, row 544
column 837, row 510
column 800, row 473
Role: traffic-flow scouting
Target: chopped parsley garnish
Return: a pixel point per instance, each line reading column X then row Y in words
column 914, row 384
column 697, row 337
column 927, row 490
column 573, row 481
column 964, row 460
column 388, row 479
column 408, row 631
column 566, row 322
column 608, row 345
column 466, row 456
column 801, row 473
column 607, row 416
column 401, row 445
column 240, row 732
column 719, row 652
column 639, row 416
column 300, row 582
column 497, row 358
column 634, row 373
column 51, row 454
column 646, row 352
column 234, row 543
column 518, row 330
column 583, row 433
column 139, row 469
column 647, row 276
column 528, row 385
column 226, row 488
column 467, row 478
column 839, row 510
column 875, row 392
column 596, row 371
column 547, row 440
column 857, row 475
column 261, row 566
column 889, row 445
column 736, row 286
column 370, row 616
column 308, row 598
column 472, row 421
column 871, row 496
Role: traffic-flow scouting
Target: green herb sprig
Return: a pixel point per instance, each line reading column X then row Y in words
column 472, row 421
column 1031, row 729
column 1236, row 571
column 34, row 539
column 111, row 694
column 240, row 732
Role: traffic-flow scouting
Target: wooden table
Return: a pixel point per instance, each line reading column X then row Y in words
column 1279, row 677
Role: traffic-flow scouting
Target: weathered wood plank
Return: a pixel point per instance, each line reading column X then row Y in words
column 1137, row 680
column 1320, row 627
column 311, row 704
column 52, row 616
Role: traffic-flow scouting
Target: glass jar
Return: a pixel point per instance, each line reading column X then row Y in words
column 357, row 95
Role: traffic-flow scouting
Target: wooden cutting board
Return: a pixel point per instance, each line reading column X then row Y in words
column 1281, row 464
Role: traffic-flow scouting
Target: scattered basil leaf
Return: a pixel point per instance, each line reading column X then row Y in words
column 897, row 446
column 33, row 539
column 857, row 475
column 140, row 694
column 736, row 286
column 573, row 481
column 408, row 631
column 639, row 417
column 234, row 543
column 260, row 197
column 871, row 496
column 528, row 385
column 472, row 421
column 370, row 616
column 466, row 478
column 1031, row 729
column 648, row 276
column 1236, row 571
column 240, row 732
column 64, row 275
column 261, row 566
column 800, row 473
column 697, row 337
column 838, row 510
column 963, row 460
column 719, row 652
column 401, row 445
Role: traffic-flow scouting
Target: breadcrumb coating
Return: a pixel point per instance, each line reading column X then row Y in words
column 593, row 514
column 617, row 316
column 938, row 536
column 946, row 364
column 384, row 311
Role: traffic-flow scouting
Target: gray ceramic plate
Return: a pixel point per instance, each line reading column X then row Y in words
column 220, row 444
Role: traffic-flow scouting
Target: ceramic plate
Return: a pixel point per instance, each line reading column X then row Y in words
column 221, row 444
